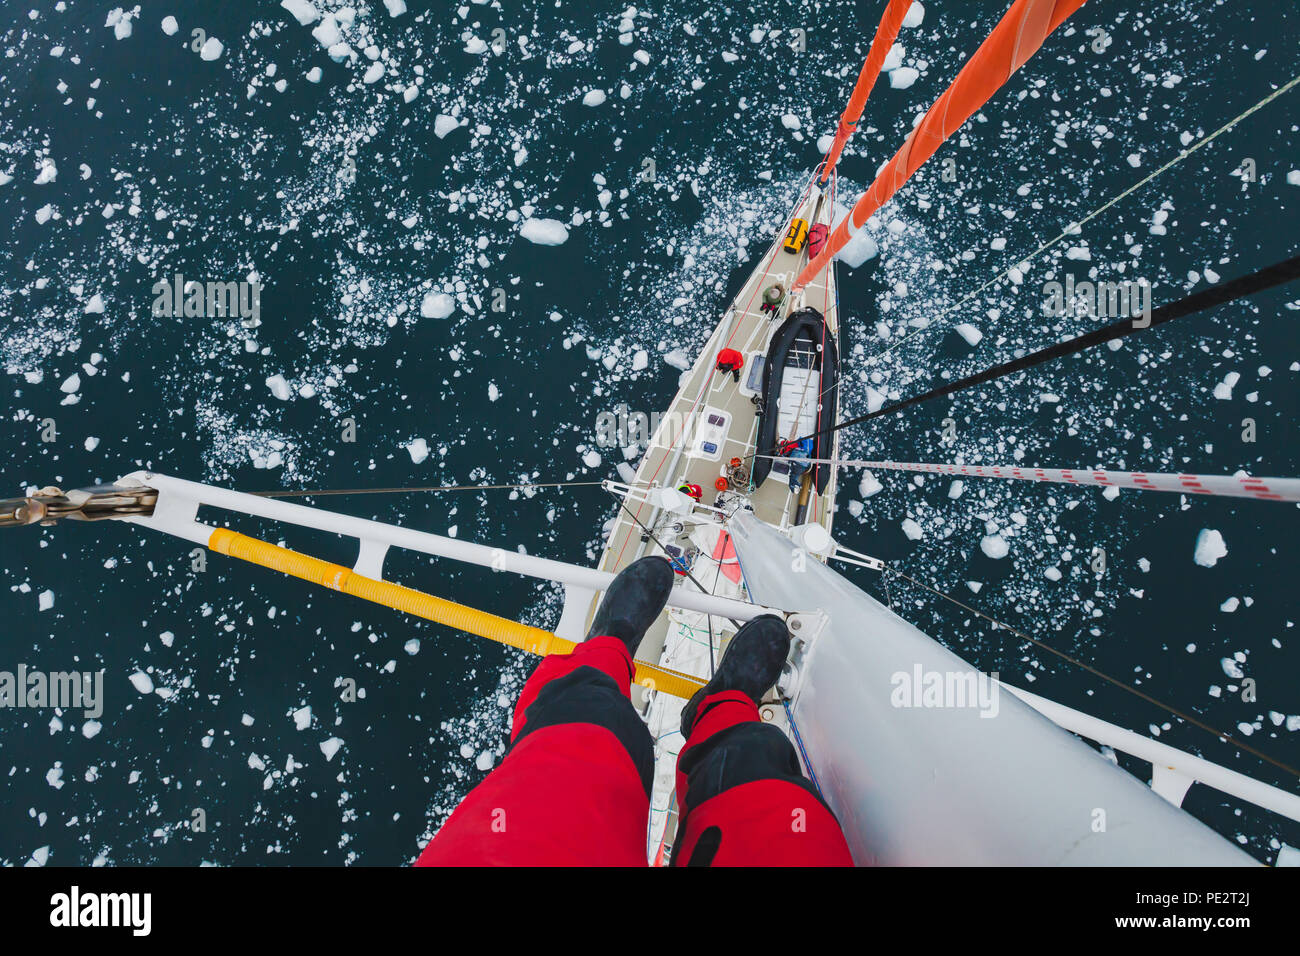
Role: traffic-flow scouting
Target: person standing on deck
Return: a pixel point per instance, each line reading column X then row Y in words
column 729, row 360
column 797, row 449
column 574, row 786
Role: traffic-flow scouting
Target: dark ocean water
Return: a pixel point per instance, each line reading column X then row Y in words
column 214, row 173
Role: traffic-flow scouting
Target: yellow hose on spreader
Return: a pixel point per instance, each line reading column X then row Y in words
column 534, row 640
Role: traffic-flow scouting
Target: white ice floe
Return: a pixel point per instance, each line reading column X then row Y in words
column 279, row 387
column 1209, row 548
column 444, row 124
column 170, row 26
column 869, row 485
column 418, row 449
column 995, row 546
column 903, row 77
column 120, row 21
column 437, row 305
column 330, row 747
column 544, row 232
column 142, row 682
column 303, row 11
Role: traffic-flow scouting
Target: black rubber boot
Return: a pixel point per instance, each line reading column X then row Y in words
column 633, row 600
column 752, row 664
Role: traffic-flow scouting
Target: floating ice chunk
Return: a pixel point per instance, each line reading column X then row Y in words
column 142, row 682
column 437, row 305
column 592, row 459
column 1052, row 574
column 47, row 173
column 1293, row 177
column 968, row 332
column 90, row 728
column 869, row 485
column 374, row 74
column 903, row 77
column 1209, row 548
column 1223, row 391
column 593, row 98
column 120, row 21
column 96, row 305
column 790, row 121
column 912, row 529
column 914, row 15
column 330, row 747
column 544, row 232
column 855, row 507
column 1230, row 605
column 170, row 26
column 484, row 761
column 314, row 74
column 395, row 7
column 678, row 359
column 995, row 546
column 71, row 384
column 418, row 449
column 475, row 46
column 640, row 360
column 444, row 124
column 211, row 50
column 279, row 387
column 493, row 392
column 861, row 248
column 1231, row 668
column 302, row 718
column 303, row 11
column 893, row 59
column 327, row 31
column 45, row 600
column 956, row 488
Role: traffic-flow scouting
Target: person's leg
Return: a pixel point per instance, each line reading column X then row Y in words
column 574, row 786
column 741, row 794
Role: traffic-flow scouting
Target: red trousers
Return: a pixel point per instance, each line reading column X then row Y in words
column 574, row 786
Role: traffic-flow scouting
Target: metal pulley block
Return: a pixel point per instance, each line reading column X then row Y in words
column 96, row 503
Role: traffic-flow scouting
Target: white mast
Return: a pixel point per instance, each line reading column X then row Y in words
column 917, row 786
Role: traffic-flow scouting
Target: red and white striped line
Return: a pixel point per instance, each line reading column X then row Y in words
column 1233, row 486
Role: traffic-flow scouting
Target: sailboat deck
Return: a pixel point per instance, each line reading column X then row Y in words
column 718, row 417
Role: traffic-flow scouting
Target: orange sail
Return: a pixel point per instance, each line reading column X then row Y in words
column 1013, row 41
column 886, row 34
